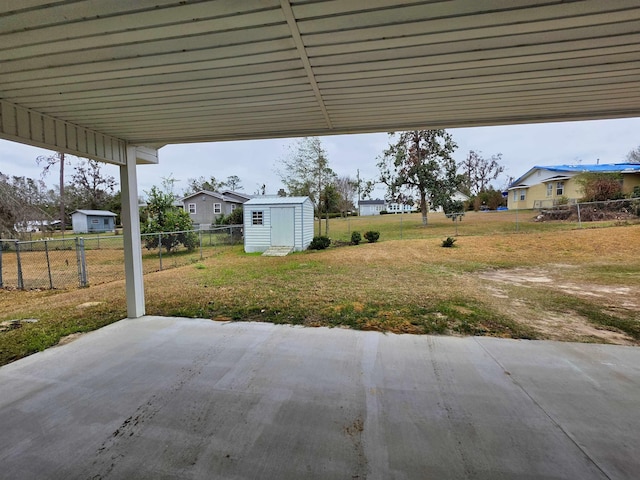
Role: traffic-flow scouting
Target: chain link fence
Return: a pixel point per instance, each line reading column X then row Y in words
column 91, row 260
column 616, row 210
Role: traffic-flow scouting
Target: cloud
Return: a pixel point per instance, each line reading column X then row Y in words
column 256, row 161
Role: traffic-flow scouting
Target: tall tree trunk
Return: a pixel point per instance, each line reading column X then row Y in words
column 62, row 222
column 423, row 206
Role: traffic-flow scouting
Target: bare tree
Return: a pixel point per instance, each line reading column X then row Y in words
column 22, row 201
column 93, row 189
column 212, row 184
column 478, row 172
column 233, row 183
column 49, row 162
column 634, row 155
column 347, row 188
column 306, row 171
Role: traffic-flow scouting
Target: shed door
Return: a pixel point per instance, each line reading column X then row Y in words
column 282, row 227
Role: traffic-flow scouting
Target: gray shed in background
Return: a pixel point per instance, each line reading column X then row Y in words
column 277, row 222
column 93, row 221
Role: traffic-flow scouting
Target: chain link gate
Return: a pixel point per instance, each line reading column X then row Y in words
column 43, row 264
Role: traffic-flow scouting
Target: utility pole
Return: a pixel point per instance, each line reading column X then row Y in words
column 62, row 225
column 358, row 180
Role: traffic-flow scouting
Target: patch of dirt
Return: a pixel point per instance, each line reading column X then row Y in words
column 556, row 326
column 574, row 328
column 69, row 339
column 88, row 305
column 517, row 276
column 17, row 323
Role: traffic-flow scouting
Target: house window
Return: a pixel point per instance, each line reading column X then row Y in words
column 560, row 188
column 549, row 189
column 192, row 208
column 233, row 207
column 217, row 208
column 257, row 218
column 94, row 221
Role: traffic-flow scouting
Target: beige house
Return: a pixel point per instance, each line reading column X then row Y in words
column 543, row 187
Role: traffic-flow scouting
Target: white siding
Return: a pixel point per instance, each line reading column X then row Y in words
column 79, row 223
column 307, row 224
column 297, row 225
column 257, row 238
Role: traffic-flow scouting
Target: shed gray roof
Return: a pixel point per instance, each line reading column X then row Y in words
column 277, row 200
column 96, row 213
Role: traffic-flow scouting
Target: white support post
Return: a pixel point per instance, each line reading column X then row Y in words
column 131, row 232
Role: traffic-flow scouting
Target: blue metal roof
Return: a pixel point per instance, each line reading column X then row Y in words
column 594, row 168
column 601, row 168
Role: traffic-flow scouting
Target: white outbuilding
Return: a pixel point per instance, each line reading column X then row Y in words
column 277, row 222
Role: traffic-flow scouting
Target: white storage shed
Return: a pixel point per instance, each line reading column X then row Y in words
column 277, row 222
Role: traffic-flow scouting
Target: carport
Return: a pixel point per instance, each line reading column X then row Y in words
column 115, row 81
column 186, row 398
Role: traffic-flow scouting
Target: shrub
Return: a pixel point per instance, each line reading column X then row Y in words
column 356, row 238
column 319, row 243
column 372, row 236
column 597, row 186
column 234, row 218
column 448, row 242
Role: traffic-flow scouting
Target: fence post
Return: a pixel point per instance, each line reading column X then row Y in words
column 200, row 235
column 46, row 252
column 579, row 220
column 20, row 279
column 160, row 249
column 82, row 264
column 1, row 248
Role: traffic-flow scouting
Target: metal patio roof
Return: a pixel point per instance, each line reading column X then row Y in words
column 89, row 76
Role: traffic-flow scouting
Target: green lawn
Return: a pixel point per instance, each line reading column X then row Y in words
column 543, row 281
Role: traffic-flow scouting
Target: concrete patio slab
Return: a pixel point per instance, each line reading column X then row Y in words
column 162, row 398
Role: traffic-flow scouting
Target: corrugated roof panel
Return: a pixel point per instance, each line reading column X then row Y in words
column 161, row 71
column 268, row 200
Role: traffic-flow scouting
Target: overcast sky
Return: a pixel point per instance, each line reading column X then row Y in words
column 256, row 161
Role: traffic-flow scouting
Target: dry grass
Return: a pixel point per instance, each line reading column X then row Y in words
column 578, row 285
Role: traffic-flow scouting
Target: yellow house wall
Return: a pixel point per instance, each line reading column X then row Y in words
column 536, row 195
column 629, row 182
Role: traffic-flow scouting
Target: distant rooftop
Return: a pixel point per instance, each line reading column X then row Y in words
column 101, row 213
column 579, row 168
column 599, row 167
